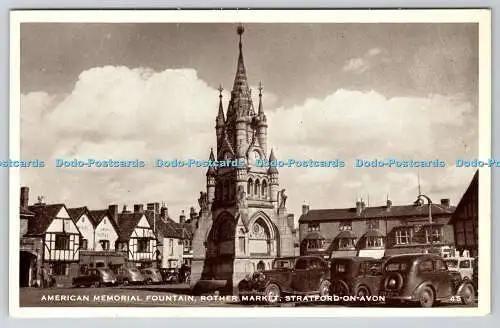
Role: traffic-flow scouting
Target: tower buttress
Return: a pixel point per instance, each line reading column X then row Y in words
column 273, row 173
column 211, row 173
column 262, row 123
column 220, row 121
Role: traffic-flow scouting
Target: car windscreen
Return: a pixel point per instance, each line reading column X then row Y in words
column 452, row 264
column 280, row 264
column 339, row 266
column 397, row 266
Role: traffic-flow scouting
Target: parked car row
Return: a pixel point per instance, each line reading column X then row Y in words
column 424, row 279
column 98, row 277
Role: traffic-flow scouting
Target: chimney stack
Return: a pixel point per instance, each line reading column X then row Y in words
column 138, row 208
column 389, row 204
column 445, row 202
column 113, row 212
column 182, row 218
column 153, row 207
column 359, row 207
column 305, row 209
column 164, row 213
column 125, row 210
column 25, row 192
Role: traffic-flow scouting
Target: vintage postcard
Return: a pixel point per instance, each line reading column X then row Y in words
column 250, row 163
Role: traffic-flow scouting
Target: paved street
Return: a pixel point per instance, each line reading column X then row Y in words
column 147, row 296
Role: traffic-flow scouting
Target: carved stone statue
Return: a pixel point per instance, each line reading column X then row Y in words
column 282, row 198
column 203, row 201
column 241, row 198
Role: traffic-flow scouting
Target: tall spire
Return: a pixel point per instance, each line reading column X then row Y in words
column 220, row 115
column 211, row 169
column 261, row 108
column 240, row 80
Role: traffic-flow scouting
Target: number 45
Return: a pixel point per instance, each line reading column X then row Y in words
column 457, row 299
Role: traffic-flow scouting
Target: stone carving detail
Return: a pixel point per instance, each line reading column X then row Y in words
column 241, row 198
column 203, row 201
column 282, row 199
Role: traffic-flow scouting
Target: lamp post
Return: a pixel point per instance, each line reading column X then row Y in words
column 429, row 202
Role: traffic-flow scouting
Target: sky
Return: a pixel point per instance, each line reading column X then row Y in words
column 331, row 91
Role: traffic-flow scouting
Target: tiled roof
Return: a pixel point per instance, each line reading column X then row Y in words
column 99, row 215
column 127, row 222
column 375, row 212
column 167, row 229
column 77, row 212
column 44, row 215
column 25, row 212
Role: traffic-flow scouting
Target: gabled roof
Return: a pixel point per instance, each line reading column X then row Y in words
column 99, row 215
column 44, row 215
column 76, row 212
column 165, row 229
column 376, row 212
column 127, row 222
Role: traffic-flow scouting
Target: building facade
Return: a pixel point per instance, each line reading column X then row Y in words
column 243, row 223
column 376, row 231
column 31, row 247
column 136, row 238
column 59, row 238
column 465, row 219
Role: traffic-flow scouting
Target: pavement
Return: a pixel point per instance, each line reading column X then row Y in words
column 172, row 295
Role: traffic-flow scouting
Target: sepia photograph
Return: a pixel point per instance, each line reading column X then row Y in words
column 257, row 163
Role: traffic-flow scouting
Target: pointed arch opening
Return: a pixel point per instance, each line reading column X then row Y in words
column 257, row 188
column 264, row 189
column 250, row 187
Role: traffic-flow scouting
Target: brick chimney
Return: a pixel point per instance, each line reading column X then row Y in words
column 389, row 205
column 445, row 202
column 182, row 218
column 359, row 207
column 113, row 212
column 25, row 192
column 138, row 208
column 154, row 207
column 164, row 213
column 125, row 210
column 305, row 209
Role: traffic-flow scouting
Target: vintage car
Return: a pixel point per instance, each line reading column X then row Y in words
column 303, row 275
column 423, row 278
column 356, row 276
column 463, row 265
column 95, row 278
column 151, row 276
column 170, row 275
column 127, row 276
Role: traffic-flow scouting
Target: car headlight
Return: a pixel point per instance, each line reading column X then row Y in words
column 391, row 283
column 262, row 277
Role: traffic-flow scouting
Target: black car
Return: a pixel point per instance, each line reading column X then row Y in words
column 424, row 279
column 303, row 275
column 170, row 275
column 355, row 276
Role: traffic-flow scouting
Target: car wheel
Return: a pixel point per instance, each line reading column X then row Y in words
column 426, row 297
column 363, row 291
column 340, row 289
column 467, row 294
column 324, row 288
column 272, row 294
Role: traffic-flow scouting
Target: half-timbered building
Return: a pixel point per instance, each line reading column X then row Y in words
column 60, row 240
column 137, row 239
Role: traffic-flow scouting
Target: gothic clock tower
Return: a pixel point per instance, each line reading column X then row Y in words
column 243, row 224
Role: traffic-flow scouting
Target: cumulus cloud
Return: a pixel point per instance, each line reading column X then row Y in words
column 122, row 113
column 361, row 64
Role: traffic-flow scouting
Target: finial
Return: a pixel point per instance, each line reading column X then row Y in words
column 260, row 88
column 240, row 29
column 220, row 90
